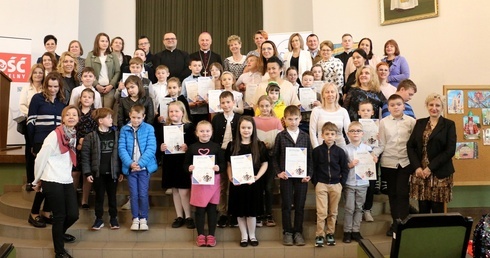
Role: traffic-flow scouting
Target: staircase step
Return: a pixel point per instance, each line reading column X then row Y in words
column 184, row 249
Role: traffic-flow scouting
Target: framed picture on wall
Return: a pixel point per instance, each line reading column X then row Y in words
column 397, row 11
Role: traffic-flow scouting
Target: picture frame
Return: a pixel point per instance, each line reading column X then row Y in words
column 398, row 11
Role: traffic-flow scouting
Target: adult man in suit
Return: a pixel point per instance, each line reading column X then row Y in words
column 175, row 59
column 205, row 54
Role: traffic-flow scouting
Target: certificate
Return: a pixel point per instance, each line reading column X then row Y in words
column 296, row 162
column 192, row 91
column 242, row 169
column 213, row 100
column 366, row 168
column 173, row 137
column 371, row 129
column 250, row 90
column 164, row 106
column 203, row 173
column 307, row 96
column 318, row 86
column 204, row 85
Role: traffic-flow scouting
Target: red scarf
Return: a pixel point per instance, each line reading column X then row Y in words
column 64, row 143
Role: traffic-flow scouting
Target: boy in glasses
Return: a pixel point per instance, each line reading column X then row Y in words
column 355, row 188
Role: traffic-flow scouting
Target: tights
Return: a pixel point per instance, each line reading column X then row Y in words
column 209, row 210
column 247, row 227
column 428, row 206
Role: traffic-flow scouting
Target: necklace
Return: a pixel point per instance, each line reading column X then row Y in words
column 205, row 66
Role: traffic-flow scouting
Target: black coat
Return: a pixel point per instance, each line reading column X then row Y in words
column 440, row 147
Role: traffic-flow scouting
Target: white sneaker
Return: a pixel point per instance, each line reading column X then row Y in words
column 127, row 205
column 136, row 224
column 143, row 224
column 367, row 216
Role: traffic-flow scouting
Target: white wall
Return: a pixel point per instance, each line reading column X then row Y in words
column 446, row 50
column 114, row 17
column 35, row 19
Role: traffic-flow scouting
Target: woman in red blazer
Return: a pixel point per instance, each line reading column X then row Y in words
column 430, row 150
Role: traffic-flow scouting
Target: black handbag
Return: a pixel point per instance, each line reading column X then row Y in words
column 21, row 124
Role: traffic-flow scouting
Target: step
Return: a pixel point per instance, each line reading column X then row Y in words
column 184, row 249
column 14, row 204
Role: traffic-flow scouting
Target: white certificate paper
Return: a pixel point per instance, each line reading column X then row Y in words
column 366, row 168
column 213, row 100
column 296, row 162
column 204, row 85
column 192, row 91
column 164, row 106
column 318, row 86
column 242, row 169
column 307, row 96
column 250, row 90
column 371, row 130
column 203, row 173
column 173, row 136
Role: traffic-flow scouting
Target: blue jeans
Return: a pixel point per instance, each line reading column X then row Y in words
column 138, row 193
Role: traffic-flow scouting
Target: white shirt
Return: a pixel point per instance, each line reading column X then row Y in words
column 228, row 136
column 294, row 134
column 103, row 74
column 351, row 151
column 77, row 92
column 393, row 137
column 158, row 93
column 51, row 165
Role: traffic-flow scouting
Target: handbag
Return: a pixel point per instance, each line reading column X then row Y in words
column 21, row 124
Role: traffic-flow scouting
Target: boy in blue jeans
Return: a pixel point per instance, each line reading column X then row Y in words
column 137, row 146
column 293, row 190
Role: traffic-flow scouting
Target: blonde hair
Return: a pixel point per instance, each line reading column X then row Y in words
column 335, row 89
column 433, row 96
column 373, row 82
column 180, row 105
column 234, row 38
column 268, row 99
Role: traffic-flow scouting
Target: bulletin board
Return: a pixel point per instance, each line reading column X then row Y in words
column 469, row 107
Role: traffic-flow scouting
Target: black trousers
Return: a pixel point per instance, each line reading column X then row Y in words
column 65, row 210
column 102, row 185
column 398, row 190
column 293, row 191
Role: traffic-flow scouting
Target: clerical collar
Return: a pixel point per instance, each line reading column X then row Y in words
column 205, row 51
column 171, row 49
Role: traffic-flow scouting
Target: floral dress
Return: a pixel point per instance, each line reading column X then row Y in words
column 431, row 188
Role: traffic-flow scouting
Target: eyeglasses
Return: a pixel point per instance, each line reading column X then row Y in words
column 169, row 39
column 355, row 131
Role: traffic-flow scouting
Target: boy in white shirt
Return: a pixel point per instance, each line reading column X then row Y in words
column 394, row 132
column 160, row 88
column 88, row 78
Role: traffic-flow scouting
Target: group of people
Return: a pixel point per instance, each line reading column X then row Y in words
column 86, row 118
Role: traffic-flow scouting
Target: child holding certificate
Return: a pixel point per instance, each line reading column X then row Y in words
column 293, row 190
column 137, row 146
column 224, row 130
column 174, row 89
column 199, row 107
column 268, row 126
column 249, row 80
column 355, row 187
column 174, row 176
column 307, row 81
column 329, row 175
column 160, row 90
column 394, row 132
column 244, row 197
column 205, row 197
column 366, row 111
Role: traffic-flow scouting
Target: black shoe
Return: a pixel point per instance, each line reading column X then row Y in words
column 244, row 243
column 178, row 222
column 233, row 222
column 37, row 222
column 189, row 223
column 254, row 242
column 63, row 255
column 356, row 236
column 48, row 220
column 347, row 237
column 222, row 221
column 69, row 238
column 29, row 187
column 390, row 232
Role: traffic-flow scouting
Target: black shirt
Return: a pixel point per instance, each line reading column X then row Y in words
column 106, row 148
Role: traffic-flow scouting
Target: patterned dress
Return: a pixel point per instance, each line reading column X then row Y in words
column 431, row 188
column 333, row 72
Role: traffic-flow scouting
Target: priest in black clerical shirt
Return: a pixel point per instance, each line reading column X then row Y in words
column 175, row 59
column 205, row 54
